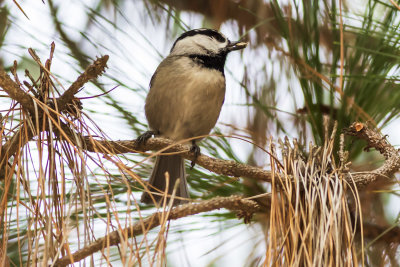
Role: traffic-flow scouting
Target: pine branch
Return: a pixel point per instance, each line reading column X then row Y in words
column 218, row 166
column 235, row 169
column 24, row 134
column 92, row 72
column 245, row 207
column 375, row 140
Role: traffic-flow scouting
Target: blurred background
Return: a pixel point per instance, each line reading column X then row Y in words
column 307, row 61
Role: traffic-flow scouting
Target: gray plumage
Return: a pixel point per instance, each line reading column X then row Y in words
column 185, row 99
column 175, row 167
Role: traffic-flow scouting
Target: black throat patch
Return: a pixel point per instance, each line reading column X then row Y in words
column 216, row 62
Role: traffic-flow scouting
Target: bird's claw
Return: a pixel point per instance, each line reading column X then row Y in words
column 142, row 139
column 195, row 149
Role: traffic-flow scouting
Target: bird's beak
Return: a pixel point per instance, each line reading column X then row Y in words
column 236, row 46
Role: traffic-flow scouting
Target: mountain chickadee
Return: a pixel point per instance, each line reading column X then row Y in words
column 184, row 101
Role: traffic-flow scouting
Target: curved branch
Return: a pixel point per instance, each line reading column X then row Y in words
column 234, row 203
column 376, row 140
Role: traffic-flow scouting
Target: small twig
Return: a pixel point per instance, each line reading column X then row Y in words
column 234, row 203
column 34, row 56
column 92, row 71
column 49, row 61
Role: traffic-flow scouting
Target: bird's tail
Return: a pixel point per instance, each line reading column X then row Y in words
column 175, row 167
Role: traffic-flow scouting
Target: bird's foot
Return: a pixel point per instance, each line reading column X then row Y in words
column 142, row 139
column 195, row 149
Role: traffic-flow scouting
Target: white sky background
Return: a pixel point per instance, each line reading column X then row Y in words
column 134, row 55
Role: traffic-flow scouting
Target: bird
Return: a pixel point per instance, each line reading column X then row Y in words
column 184, row 101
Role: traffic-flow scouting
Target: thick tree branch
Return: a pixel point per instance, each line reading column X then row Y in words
column 235, row 169
column 218, row 166
column 233, row 203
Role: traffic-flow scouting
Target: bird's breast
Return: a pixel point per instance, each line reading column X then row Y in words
column 185, row 102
